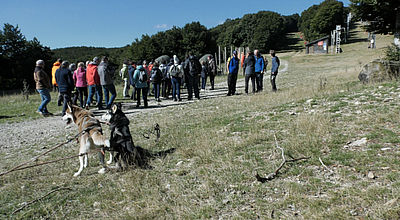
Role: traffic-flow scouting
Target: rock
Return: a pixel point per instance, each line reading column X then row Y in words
column 388, row 100
column 179, row 163
column 385, row 148
column 371, row 175
column 380, row 70
column 96, row 204
column 292, row 113
column 359, row 143
column 391, row 202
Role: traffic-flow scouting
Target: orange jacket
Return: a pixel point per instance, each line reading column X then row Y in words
column 92, row 76
column 56, row 66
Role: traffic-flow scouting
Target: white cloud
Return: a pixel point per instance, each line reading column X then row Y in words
column 161, row 26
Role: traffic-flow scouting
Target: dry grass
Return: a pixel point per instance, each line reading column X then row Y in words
column 221, row 142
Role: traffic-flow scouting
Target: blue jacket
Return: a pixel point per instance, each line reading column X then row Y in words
column 131, row 71
column 233, row 65
column 64, row 80
column 136, row 80
column 259, row 66
column 275, row 64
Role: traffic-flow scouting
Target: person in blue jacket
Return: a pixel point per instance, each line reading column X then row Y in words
column 274, row 69
column 65, row 84
column 259, row 68
column 233, row 69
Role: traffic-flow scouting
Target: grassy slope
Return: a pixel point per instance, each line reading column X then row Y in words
column 222, row 142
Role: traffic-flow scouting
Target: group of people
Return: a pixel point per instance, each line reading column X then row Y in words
column 84, row 81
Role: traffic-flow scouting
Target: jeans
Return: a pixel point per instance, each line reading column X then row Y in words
column 46, row 98
column 144, row 91
column 156, row 87
column 259, row 81
column 193, row 84
column 125, row 92
column 80, row 93
column 66, row 98
column 253, row 82
column 232, row 78
column 203, row 82
column 99, row 95
column 166, row 87
column 176, row 87
column 109, row 89
column 133, row 96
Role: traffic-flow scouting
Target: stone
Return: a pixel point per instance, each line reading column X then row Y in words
column 371, row 175
column 359, row 143
column 380, row 70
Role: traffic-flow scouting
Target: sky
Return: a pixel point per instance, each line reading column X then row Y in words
column 102, row 23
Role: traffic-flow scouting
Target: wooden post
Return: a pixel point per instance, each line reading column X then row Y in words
column 219, row 57
column 224, row 60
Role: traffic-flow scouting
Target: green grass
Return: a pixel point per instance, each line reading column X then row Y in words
column 211, row 175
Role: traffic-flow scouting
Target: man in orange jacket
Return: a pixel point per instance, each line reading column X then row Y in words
column 93, row 80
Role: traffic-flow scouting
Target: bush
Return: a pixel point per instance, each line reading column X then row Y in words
column 393, row 53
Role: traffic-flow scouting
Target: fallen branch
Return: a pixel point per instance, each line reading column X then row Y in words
column 272, row 176
column 33, row 201
column 322, row 163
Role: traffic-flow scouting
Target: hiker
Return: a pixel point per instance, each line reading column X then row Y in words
column 106, row 81
column 233, row 69
column 140, row 79
column 204, row 74
column 74, row 93
column 192, row 71
column 249, row 66
column 156, row 79
column 125, row 77
column 259, row 70
column 131, row 72
column 65, row 84
column 176, row 72
column 55, row 67
column 212, row 70
column 93, row 80
column 43, row 87
column 274, row 69
column 146, row 67
column 167, row 80
column 79, row 77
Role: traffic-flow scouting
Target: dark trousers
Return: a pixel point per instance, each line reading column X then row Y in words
column 66, row 98
column 192, row 85
column 133, row 96
column 273, row 78
column 212, row 81
column 166, row 88
column 144, row 91
column 81, row 93
column 253, row 82
column 176, row 87
column 156, row 87
column 259, row 81
column 232, row 78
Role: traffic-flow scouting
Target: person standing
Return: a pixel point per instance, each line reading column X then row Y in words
column 212, row 70
column 79, row 77
column 43, row 87
column 55, row 67
column 274, row 69
column 176, row 73
column 65, row 84
column 167, row 80
column 259, row 70
column 125, row 77
column 106, row 81
column 233, row 69
column 131, row 72
column 192, row 71
column 156, row 79
column 249, row 66
column 140, row 81
column 93, row 80
column 204, row 74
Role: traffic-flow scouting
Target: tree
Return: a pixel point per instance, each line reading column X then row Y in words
column 380, row 13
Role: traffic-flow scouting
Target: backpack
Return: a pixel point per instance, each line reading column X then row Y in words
column 193, row 67
column 155, row 75
column 174, row 71
column 143, row 75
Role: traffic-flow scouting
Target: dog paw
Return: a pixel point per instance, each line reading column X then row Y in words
column 102, row 171
column 76, row 174
column 109, row 162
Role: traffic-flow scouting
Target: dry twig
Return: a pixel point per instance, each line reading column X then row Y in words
column 33, row 201
column 272, row 176
column 322, row 163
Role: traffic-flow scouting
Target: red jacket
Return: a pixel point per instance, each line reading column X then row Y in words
column 92, row 76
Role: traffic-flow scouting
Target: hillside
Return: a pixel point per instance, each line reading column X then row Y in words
column 321, row 110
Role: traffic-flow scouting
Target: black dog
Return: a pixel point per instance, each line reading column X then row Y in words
column 121, row 142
